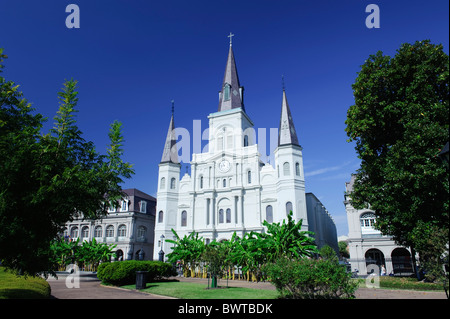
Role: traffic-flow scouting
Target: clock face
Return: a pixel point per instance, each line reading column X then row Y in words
column 224, row 166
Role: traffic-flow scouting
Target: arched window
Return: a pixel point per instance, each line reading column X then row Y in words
column 245, row 140
column 85, row 232
column 110, row 231
column 297, row 169
column 226, row 92
column 367, row 220
column 220, row 142
column 160, row 216
column 288, row 208
column 269, row 214
column 201, row 182
column 122, row 231
column 229, row 141
column 183, row 218
column 141, row 232
column 224, row 182
column 172, row 183
column 221, row 216
column 228, row 215
column 74, row 232
column 286, row 169
column 98, row 231
column 249, row 177
column 162, row 183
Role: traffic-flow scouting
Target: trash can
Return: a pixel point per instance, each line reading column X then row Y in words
column 141, row 279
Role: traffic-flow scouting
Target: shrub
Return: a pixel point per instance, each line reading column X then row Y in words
column 124, row 272
column 310, row 279
column 13, row 286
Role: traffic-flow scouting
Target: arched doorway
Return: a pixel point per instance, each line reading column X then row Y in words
column 401, row 262
column 119, row 255
column 374, row 257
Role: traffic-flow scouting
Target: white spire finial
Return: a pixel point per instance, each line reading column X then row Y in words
column 231, row 38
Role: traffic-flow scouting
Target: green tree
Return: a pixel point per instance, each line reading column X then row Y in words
column 47, row 179
column 328, row 253
column 186, row 250
column 214, row 255
column 287, row 239
column 343, row 249
column 400, row 122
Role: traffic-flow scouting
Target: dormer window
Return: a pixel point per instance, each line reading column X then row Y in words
column 143, row 206
column 124, row 205
column 226, row 92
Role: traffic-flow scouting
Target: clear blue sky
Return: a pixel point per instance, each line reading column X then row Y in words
column 132, row 58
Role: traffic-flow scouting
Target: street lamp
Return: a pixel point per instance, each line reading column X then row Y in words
column 161, row 252
column 443, row 155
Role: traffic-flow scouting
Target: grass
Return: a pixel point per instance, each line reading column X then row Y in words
column 405, row 283
column 409, row 284
column 15, row 287
column 188, row 290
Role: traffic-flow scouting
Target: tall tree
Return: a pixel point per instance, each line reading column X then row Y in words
column 46, row 180
column 400, row 122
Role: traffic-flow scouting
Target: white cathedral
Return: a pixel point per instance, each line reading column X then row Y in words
column 230, row 188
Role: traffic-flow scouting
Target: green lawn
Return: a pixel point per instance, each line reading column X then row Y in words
column 14, row 287
column 187, row 290
column 387, row 282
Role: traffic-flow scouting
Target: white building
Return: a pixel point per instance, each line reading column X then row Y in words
column 230, row 188
column 130, row 227
column 367, row 246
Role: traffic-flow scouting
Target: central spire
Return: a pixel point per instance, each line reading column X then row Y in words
column 231, row 95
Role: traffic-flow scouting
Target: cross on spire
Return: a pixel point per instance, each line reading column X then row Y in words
column 173, row 107
column 231, row 38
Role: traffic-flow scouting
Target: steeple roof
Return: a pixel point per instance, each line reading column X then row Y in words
column 170, row 153
column 231, row 94
column 286, row 133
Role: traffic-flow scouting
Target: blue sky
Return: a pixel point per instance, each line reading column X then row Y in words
column 132, row 58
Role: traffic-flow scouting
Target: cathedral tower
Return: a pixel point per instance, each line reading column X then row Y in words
column 167, row 195
column 289, row 166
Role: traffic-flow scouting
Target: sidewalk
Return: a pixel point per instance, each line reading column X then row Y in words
column 90, row 288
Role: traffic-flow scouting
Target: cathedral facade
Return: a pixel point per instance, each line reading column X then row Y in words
column 230, row 189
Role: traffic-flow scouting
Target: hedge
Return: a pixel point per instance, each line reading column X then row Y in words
column 121, row 273
column 311, row 279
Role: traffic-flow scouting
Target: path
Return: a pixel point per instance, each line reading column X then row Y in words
column 90, row 288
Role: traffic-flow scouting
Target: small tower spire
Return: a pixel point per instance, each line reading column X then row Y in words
column 286, row 133
column 170, row 153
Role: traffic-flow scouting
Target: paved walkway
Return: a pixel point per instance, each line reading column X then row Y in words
column 90, row 288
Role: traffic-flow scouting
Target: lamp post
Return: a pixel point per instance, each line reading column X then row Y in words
column 161, row 252
column 443, row 155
